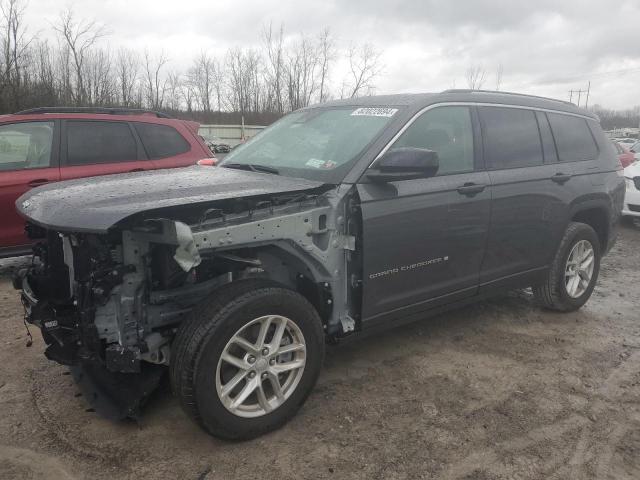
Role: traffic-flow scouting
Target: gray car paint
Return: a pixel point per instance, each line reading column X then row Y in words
column 93, row 205
column 403, row 223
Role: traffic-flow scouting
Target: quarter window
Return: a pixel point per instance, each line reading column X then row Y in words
column 573, row 138
column 161, row 141
column 448, row 132
column 99, row 142
column 511, row 137
column 25, row 145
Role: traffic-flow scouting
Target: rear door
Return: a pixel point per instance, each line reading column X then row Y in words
column 165, row 146
column 95, row 147
column 28, row 158
column 577, row 151
column 424, row 239
column 531, row 193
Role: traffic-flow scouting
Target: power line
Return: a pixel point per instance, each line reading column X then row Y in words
column 594, row 74
column 580, row 92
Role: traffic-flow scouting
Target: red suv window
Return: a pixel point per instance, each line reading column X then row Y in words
column 161, row 141
column 90, row 142
column 25, row 145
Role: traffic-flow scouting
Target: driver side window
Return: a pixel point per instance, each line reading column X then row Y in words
column 448, row 132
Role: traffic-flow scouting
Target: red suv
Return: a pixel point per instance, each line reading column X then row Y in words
column 45, row 145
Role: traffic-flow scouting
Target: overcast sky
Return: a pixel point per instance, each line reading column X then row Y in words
column 546, row 47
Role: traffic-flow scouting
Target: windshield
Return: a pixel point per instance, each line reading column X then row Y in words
column 319, row 144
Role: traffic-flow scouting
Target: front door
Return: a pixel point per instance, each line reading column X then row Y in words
column 424, row 239
column 28, row 158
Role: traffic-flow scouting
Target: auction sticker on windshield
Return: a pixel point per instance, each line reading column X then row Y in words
column 317, row 163
column 374, row 112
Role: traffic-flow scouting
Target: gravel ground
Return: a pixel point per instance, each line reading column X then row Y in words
column 498, row 390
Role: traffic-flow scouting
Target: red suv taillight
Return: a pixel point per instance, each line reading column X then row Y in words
column 208, row 162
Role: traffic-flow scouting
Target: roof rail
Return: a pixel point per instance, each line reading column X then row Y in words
column 469, row 90
column 99, row 110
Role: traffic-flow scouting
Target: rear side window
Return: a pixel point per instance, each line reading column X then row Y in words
column 161, row 141
column 448, row 132
column 573, row 138
column 511, row 137
column 25, row 145
column 99, row 142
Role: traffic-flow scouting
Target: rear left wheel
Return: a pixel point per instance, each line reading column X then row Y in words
column 574, row 271
column 245, row 361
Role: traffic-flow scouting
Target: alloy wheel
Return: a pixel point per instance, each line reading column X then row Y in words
column 261, row 366
column 579, row 268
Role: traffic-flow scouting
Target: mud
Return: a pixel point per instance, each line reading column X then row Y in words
column 498, row 390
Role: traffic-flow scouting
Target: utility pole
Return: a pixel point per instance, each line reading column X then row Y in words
column 580, row 92
column 586, row 103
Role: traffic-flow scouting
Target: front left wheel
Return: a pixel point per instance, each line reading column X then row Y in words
column 245, row 361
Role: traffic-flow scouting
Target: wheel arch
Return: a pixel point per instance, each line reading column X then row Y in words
column 595, row 212
column 283, row 263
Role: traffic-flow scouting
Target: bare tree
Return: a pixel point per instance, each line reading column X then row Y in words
column 155, row 84
column 274, row 44
column 203, row 76
column 15, row 47
column 174, row 92
column 285, row 73
column 80, row 36
column 327, row 55
column 44, row 74
column 475, row 77
column 218, row 82
column 187, row 92
column 364, row 66
column 245, row 86
column 499, row 71
column 301, row 73
column 100, row 83
column 127, row 67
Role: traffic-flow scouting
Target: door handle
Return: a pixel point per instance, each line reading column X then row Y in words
column 561, row 178
column 38, row 181
column 471, row 189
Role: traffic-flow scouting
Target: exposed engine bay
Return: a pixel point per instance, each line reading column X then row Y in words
column 109, row 304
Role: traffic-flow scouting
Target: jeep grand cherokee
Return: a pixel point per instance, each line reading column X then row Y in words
column 340, row 218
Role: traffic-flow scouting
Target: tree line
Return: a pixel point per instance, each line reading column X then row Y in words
column 610, row 119
column 259, row 84
column 284, row 73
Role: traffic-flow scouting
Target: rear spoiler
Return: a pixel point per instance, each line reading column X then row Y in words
column 192, row 126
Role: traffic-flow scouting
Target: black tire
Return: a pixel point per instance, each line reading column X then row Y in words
column 203, row 336
column 552, row 294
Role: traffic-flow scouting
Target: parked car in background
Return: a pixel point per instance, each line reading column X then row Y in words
column 635, row 149
column 216, row 145
column 45, row 145
column 632, row 194
column 628, row 141
column 625, row 156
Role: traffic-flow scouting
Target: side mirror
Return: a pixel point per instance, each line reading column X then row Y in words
column 404, row 163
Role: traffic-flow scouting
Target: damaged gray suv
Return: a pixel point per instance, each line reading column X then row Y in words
column 340, row 218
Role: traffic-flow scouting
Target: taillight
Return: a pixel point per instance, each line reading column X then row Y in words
column 208, row 162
